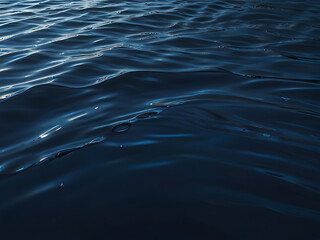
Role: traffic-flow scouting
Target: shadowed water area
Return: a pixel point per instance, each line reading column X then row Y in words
column 160, row 119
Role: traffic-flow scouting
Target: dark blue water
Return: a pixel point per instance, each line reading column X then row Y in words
column 160, row 119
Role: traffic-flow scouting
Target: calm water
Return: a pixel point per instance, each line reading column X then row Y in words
column 160, row 119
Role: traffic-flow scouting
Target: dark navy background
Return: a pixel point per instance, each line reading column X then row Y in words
column 159, row 119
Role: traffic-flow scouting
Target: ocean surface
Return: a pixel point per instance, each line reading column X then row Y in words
column 160, row 119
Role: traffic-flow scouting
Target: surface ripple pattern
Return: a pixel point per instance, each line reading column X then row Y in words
column 160, row 119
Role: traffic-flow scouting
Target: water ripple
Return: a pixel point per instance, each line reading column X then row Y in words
column 192, row 119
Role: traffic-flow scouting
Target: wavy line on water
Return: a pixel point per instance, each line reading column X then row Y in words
column 116, row 77
column 117, row 128
column 234, row 126
column 269, row 77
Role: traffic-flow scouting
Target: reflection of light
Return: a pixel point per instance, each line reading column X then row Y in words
column 3, row 69
column 46, row 133
column 76, row 117
column 25, row 83
column 6, row 37
column 96, row 108
column 35, row 29
column 20, row 169
column 10, row 94
column 5, row 96
column 49, row 67
column 43, row 159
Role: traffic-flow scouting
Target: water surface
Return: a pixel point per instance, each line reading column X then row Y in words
column 159, row 119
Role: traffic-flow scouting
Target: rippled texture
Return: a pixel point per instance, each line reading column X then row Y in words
column 159, row 119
